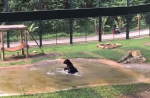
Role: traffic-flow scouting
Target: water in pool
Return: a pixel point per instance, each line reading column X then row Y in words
column 50, row 76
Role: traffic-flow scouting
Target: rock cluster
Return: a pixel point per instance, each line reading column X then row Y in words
column 134, row 56
column 108, row 45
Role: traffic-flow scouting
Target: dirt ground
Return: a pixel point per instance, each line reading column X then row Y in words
column 148, row 44
column 12, row 59
column 143, row 94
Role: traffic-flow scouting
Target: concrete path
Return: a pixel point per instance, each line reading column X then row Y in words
column 82, row 39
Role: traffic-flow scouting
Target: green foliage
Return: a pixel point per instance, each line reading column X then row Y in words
column 23, row 5
column 79, row 25
column 32, row 28
column 2, row 5
column 116, row 23
column 104, row 22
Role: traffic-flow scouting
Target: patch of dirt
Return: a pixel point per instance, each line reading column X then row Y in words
column 110, row 62
column 148, row 44
column 143, row 94
column 12, row 59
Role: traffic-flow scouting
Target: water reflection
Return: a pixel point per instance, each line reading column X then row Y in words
column 50, row 76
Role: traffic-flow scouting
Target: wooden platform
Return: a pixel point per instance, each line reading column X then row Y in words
column 22, row 44
column 13, row 27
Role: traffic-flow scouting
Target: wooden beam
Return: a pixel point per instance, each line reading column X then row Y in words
column 21, row 41
column 13, row 27
column 2, row 45
column 26, row 42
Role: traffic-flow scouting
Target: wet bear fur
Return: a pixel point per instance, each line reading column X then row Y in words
column 71, row 69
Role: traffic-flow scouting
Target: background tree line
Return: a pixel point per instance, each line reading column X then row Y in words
column 80, row 26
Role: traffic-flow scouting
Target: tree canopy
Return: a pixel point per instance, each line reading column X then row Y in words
column 30, row 5
column 79, row 25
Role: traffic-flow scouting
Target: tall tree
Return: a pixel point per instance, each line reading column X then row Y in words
column 2, row 5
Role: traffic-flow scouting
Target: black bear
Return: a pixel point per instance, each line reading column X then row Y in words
column 71, row 69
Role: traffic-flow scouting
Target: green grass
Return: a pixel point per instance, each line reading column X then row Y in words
column 113, row 91
column 89, row 50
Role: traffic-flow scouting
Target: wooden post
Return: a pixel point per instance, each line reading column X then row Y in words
column 26, row 42
column 2, row 45
column 21, row 41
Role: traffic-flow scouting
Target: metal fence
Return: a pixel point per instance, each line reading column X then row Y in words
column 78, row 29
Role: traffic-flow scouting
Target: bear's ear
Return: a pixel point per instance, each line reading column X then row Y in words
column 66, row 61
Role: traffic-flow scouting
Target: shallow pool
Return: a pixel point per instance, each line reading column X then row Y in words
column 49, row 75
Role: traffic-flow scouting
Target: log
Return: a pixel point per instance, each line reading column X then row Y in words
column 101, row 47
column 128, row 55
column 108, row 45
column 133, row 57
column 136, row 53
column 118, row 45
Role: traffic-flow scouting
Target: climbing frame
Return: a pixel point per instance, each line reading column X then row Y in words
column 22, row 44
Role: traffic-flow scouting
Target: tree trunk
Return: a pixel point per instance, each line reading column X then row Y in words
column 28, row 36
column 128, row 55
column 139, row 18
column 3, row 36
column 95, row 23
column 120, row 22
column 102, row 27
column 96, row 32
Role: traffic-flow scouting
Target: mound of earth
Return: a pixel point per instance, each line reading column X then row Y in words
column 108, row 45
column 134, row 56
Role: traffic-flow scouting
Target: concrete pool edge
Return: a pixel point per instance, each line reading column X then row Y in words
column 104, row 61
